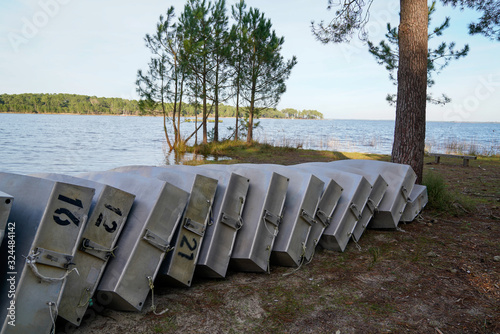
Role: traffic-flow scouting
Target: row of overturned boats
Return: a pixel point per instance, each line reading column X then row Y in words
column 118, row 233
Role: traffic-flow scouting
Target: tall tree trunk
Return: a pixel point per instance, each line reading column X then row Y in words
column 170, row 146
column 409, row 132
column 176, row 95
column 179, row 114
column 250, row 115
column 237, row 113
column 238, row 85
column 216, row 121
column 196, row 105
column 196, row 126
column 204, row 92
column 250, row 125
column 216, row 102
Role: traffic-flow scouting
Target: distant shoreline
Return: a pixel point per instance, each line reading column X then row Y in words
column 303, row 119
column 60, row 103
column 126, row 115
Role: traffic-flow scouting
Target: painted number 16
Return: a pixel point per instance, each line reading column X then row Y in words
column 61, row 212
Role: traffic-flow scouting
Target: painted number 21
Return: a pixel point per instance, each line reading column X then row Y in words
column 192, row 247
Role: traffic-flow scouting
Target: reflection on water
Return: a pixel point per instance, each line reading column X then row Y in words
column 73, row 144
column 181, row 158
column 177, row 158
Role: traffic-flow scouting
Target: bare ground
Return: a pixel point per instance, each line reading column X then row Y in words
column 438, row 274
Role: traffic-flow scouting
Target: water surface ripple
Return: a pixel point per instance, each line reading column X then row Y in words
column 80, row 143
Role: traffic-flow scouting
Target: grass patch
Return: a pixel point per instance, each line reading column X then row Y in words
column 444, row 201
column 214, row 149
column 375, row 253
column 167, row 324
column 377, row 308
column 439, row 197
column 254, row 152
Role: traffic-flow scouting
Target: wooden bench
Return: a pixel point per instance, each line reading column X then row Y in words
column 465, row 158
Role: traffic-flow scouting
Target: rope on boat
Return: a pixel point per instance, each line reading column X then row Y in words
column 53, row 316
column 153, row 306
column 31, row 262
column 302, row 260
column 351, row 235
column 85, row 298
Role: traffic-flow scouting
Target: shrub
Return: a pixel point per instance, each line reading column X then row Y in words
column 443, row 200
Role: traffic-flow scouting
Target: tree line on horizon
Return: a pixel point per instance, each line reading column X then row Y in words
column 43, row 103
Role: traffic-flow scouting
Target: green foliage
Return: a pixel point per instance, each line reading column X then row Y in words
column 220, row 148
column 442, row 200
column 290, row 113
column 201, row 58
column 353, row 15
column 375, row 253
column 263, row 68
column 219, row 60
column 237, row 37
column 439, row 198
column 304, row 114
column 348, row 19
column 82, row 104
column 67, row 104
column 387, row 54
column 162, row 81
column 310, row 114
column 489, row 21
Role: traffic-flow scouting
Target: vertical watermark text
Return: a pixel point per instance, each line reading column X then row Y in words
column 11, row 272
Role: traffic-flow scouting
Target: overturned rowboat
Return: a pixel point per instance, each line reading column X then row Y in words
column 47, row 220
column 417, row 201
column 229, row 203
column 108, row 213
column 400, row 178
column 324, row 212
column 301, row 202
column 379, row 188
column 261, row 217
column 180, row 262
column 356, row 190
column 144, row 240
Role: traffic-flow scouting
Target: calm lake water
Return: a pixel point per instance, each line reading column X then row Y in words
column 76, row 143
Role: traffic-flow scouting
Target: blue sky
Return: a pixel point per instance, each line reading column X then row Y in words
column 96, row 47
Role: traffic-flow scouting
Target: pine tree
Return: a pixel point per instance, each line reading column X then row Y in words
column 264, row 69
column 154, row 85
column 352, row 16
column 219, row 60
column 197, row 27
column 237, row 37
